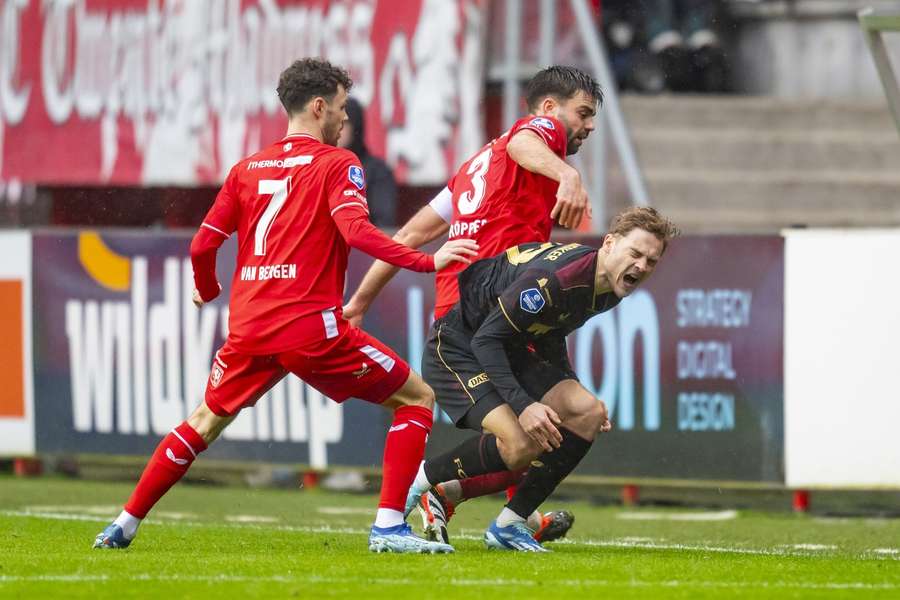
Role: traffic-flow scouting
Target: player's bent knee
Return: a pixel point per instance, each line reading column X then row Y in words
column 599, row 412
column 208, row 424
column 587, row 416
column 425, row 398
column 415, row 392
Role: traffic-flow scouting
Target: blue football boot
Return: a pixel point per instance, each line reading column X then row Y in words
column 516, row 536
column 111, row 537
column 401, row 538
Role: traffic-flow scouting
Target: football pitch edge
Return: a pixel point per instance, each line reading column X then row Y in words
column 236, row 542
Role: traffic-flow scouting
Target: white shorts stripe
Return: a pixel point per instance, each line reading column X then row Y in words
column 331, row 328
column 349, row 204
column 184, row 441
column 386, row 362
column 220, row 361
column 216, row 229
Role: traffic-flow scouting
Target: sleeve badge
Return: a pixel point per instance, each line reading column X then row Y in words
column 543, row 123
column 356, row 177
column 531, row 301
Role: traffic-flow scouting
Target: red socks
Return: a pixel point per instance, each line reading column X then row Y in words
column 491, row 483
column 170, row 461
column 404, row 448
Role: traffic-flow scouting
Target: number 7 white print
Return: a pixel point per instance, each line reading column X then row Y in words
column 279, row 189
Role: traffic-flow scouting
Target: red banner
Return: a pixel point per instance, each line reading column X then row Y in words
column 154, row 92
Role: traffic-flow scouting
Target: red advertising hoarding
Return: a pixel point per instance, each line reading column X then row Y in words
column 146, row 92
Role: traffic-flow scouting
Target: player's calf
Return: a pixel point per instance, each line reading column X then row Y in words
column 170, row 461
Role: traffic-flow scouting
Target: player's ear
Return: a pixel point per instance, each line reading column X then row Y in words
column 608, row 240
column 549, row 106
column 318, row 106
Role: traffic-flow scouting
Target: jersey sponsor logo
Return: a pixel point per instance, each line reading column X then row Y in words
column 543, row 123
column 356, row 177
column 287, row 163
column 531, row 301
column 478, row 380
column 356, row 194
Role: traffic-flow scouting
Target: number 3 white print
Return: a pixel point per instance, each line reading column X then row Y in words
column 470, row 201
column 279, row 189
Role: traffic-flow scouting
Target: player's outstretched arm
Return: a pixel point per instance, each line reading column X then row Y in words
column 533, row 154
column 425, row 226
column 358, row 232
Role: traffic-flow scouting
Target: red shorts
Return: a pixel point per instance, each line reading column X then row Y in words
column 351, row 363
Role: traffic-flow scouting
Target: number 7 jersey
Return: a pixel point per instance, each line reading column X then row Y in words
column 294, row 205
column 498, row 203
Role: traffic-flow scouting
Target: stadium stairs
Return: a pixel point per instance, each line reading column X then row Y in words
column 739, row 164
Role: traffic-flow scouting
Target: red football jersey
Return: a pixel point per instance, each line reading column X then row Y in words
column 292, row 205
column 498, row 203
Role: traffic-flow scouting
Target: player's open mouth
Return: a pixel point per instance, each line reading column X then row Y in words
column 631, row 280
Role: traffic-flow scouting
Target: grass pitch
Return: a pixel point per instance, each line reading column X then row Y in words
column 205, row 541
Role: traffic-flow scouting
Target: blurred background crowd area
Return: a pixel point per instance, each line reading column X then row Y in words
column 744, row 116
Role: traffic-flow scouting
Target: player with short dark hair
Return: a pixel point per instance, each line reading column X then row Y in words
column 498, row 363
column 510, row 192
column 298, row 206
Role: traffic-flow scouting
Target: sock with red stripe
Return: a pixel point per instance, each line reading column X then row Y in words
column 490, row 483
column 169, row 463
column 404, row 448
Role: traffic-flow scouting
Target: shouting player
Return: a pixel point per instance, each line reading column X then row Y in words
column 298, row 206
column 498, row 363
column 509, row 193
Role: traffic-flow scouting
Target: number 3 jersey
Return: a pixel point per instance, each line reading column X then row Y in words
column 297, row 206
column 498, row 203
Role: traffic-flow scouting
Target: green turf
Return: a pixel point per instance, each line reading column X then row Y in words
column 315, row 547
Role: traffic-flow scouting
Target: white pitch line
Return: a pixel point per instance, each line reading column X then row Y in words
column 344, row 510
column 722, row 515
column 616, row 543
column 90, row 509
column 813, row 546
column 496, row 582
column 250, row 519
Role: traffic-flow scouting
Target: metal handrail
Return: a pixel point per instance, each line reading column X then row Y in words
column 873, row 24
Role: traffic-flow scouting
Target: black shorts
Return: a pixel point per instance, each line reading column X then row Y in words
column 462, row 388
